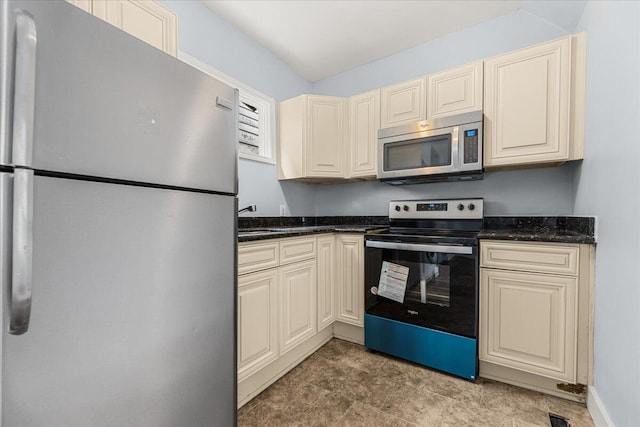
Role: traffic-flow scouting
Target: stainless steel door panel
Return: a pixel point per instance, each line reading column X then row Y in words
column 133, row 310
column 109, row 105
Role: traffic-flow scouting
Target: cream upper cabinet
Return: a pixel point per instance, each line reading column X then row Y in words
column 326, row 263
column 312, row 137
column 364, row 122
column 535, row 312
column 455, row 91
column 297, row 303
column 532, row 105
column 257, row 321
column 145, row 19
column 85, row 5
column 403, row 103
column 350, row 278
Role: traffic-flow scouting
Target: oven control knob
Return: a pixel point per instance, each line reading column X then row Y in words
column 471, row 206
column 406, row 208
column 460, row 207
column 398, row 208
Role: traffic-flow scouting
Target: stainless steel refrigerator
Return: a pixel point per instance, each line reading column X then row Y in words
column 117, row 213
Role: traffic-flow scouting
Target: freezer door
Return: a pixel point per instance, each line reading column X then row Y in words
column 133, row 310
column 106, row 104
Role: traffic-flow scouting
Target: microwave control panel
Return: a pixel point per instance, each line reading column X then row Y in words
column 471, row 146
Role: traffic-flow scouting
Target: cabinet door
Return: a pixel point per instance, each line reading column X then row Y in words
column 526, row 105
column 326, row 281
column 364, row 122
column 257, row 321
column 297, row 303
column 147, row 20
column 528, row 322
column 82, row 4
column 350, row 270
column 326, row 137
column 455, row 91
column 403, row 103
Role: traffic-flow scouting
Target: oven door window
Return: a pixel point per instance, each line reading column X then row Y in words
column 434, row 151
column 440, row 291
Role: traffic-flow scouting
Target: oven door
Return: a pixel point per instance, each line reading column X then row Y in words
column 429, row 285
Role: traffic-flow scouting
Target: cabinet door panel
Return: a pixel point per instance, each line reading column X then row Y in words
column 326, row 281
column 350, row 262
column 528, row 322
column 527, row 100
column 404, row 103
column 455, row 91
column 297, row 303
column 364, row 122
column 146, row 20
column 257, row 321
column 325, row 154
column 82, row 4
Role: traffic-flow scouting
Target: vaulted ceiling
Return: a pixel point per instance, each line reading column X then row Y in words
column 321, row 38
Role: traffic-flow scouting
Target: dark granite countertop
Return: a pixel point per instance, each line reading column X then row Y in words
column 264, row 228
column 564, row 229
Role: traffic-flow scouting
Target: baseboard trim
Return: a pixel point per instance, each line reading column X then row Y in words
column 597, row 410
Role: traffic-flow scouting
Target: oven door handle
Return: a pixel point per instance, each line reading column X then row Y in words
column 416, row 247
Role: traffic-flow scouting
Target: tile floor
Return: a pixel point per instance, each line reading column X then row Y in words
column 344, row 384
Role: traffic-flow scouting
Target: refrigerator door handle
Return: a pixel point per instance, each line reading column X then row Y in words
column 22, row 251
column 24, row 94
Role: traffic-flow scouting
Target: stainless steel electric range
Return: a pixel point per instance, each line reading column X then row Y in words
column 421, row 284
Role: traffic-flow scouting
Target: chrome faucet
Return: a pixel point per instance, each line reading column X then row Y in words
column 250, row 208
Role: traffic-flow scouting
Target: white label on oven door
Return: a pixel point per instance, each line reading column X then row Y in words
column 393, row 281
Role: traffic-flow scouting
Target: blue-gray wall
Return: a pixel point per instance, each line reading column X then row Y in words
column 607, row 184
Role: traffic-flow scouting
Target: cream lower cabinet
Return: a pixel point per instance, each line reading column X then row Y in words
column 350, row 278
column 326, row 285
column 535, row 313
column 534, row 104
column 530, row 322
column 257, row 321
column 147, row 20
column 277, row 314
column 297, row 303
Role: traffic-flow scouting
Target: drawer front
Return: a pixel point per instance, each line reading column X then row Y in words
column 255, row 257
column 530, row 256
column 292, row 250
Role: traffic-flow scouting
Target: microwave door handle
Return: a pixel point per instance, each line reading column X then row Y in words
column 418, row 247
column 456, row 153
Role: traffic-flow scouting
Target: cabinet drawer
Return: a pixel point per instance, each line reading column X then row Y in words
column 530, row 256
column 254, row 257
column 292, row 250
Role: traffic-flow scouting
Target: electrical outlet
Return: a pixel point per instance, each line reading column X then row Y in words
column 283, row 210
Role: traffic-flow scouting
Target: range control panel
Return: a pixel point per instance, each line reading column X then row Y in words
column 437, row 209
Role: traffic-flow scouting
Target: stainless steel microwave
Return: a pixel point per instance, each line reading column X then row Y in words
column 443, row 149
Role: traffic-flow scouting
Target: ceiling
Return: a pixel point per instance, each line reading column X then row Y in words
column 321, row 38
